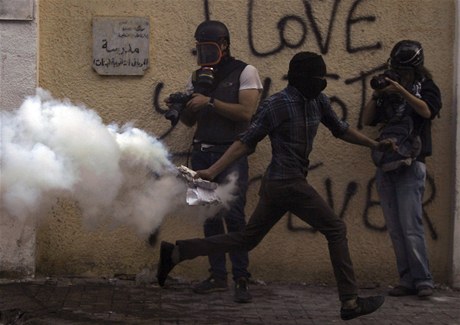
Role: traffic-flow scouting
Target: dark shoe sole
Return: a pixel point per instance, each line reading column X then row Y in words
column 242, row 300
column 361, row 310
column 401, row 291
column 424, row 293
column 204, row 292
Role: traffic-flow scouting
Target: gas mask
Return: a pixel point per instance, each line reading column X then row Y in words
column 208, row 53
column 203, row 80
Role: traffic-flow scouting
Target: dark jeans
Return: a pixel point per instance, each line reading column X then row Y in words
column 235, row 218
column 277, row 198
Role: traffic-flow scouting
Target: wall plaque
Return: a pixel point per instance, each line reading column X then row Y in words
column 16, row 9
column 121, row 45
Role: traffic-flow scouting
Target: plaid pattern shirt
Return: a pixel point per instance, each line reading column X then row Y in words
column 291, row 122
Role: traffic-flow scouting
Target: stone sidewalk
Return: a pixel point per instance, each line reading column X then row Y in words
column 122, row 301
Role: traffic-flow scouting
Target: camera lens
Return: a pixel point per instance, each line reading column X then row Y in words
column 379, row 82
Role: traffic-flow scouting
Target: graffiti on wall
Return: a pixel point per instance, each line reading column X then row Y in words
column 306, row 25
column 322, row 39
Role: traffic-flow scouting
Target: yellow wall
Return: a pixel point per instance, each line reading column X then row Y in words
column 354, row 37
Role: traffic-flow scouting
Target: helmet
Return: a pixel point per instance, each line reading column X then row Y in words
column 212, row 30
column 406, row 54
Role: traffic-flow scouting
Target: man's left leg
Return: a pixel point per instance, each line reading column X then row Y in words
column 308, row 205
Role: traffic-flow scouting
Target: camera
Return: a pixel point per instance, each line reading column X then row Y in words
column 378, row 82
column 203, row 81
column 178, row 101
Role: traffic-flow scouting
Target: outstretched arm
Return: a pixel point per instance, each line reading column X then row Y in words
column 235, row 151
column 355, row 137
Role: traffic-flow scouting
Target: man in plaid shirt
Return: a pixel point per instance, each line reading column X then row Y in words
column 290, row 118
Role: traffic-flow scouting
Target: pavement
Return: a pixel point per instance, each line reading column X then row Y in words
column 125, row 300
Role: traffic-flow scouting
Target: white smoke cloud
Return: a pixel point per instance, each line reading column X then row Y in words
column 51, row 149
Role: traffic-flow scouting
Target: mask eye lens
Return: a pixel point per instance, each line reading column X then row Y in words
column 208, row 53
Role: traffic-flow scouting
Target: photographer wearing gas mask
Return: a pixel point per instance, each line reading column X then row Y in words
column 405, row 101
column 224, row 96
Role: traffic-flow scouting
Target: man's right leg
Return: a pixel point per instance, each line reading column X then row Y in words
column 265, row 216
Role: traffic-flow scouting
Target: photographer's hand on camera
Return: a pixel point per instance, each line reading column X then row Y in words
column 197, row 102
column 167, row 101
column 394, row 87
column 382, row 85
column 418, row 104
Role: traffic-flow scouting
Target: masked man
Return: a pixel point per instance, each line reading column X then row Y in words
column 291, row 119
column 225, row 94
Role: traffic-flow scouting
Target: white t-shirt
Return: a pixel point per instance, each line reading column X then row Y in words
column 249, row 78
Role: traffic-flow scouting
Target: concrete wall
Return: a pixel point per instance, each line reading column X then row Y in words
column 18, row 79
column 355, row 38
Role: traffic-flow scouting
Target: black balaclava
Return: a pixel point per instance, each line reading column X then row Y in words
column 306, row 73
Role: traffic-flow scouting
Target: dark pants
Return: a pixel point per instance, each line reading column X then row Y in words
column 277, row 198
column 235, row 218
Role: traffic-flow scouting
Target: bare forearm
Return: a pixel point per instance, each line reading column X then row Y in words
column 235, row 151
column 419, row 105
column 355, row 137
column 234, row 112
column 241, row 111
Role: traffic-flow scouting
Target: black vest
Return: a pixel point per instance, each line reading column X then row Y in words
column 212, row 127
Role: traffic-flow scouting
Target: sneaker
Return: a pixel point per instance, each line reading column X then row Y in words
column 365, row 306
column 400, row 291
column 242, row 294
column 210, row 285
column 424, row 291
column 166, row 264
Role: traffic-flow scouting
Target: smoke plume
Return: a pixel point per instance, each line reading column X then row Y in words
column 54, row 149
